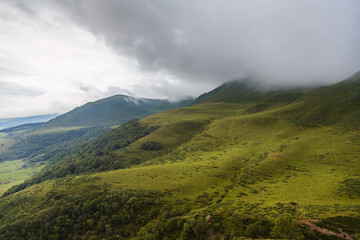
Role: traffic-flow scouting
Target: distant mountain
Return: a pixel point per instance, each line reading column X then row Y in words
column 113, row 111
column 21, row 127
column 12, row 122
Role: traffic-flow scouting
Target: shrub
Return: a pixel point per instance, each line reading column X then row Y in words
column 151, row 146
column 285, row 228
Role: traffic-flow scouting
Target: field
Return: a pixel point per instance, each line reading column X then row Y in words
column 15, row 172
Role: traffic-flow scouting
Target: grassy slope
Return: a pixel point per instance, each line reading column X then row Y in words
column 262, row 157
column 219, row 157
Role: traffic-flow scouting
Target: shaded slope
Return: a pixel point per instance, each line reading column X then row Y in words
column 39, row 146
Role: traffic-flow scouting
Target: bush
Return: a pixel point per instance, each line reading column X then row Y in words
column 195, row 228
column 151, row 146
column 357, row 236
column 285, row 228
column 259, row 228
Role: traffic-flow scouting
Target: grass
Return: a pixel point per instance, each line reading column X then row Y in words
column 259, row 158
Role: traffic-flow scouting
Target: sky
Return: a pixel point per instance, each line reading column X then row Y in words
column 59, row 54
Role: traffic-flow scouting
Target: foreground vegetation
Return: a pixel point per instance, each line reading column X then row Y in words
column 270, row 165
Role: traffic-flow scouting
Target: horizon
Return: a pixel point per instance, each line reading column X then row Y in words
column 266, row 88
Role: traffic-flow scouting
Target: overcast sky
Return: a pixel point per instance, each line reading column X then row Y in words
column 58, row 54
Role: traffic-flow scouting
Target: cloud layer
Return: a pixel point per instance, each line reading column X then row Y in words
column 202, row 40
column 68, row 52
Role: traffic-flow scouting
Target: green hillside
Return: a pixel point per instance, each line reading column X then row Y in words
column 338, row 104
column 237, row 164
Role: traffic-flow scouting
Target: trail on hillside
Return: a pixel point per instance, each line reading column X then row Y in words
column 312, row 226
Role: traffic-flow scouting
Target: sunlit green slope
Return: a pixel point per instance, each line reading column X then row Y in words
column 220, row 169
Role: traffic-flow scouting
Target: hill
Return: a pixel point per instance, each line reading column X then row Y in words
column 224, row 168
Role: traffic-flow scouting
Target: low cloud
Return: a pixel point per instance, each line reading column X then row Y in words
column 13, row 89
column 291, row 42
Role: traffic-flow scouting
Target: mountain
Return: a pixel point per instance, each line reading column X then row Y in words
column 113, row 111
column 248, row 91
column 238, row 163
column 12, row 122
column 81, row 124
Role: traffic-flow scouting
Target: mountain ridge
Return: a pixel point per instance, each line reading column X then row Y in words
column 112, row 111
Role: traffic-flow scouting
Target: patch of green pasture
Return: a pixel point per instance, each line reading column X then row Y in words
column 15, row 172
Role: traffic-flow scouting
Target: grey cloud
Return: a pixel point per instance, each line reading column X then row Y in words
column 282, row 41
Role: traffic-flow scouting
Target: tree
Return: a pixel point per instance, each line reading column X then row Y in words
column 286, row 228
